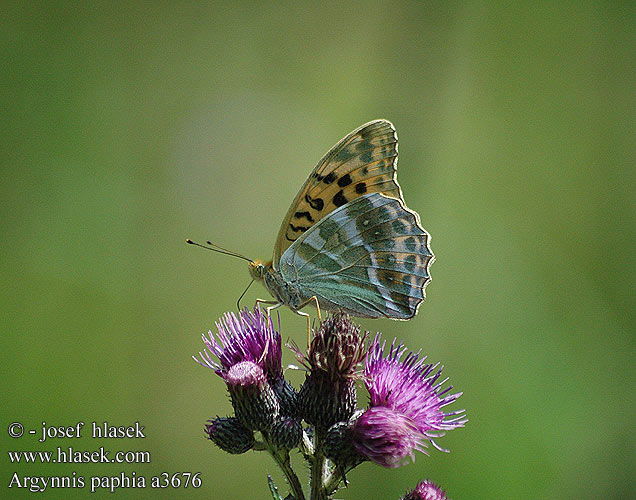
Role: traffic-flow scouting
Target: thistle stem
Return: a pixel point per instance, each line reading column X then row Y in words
column 281, row 457
column 317, row 470
column 332, row 482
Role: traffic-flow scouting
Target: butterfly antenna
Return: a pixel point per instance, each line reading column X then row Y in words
column 218, row 249
column 238, row 302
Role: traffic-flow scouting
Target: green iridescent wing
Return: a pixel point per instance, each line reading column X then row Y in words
column 362, row 162
column 369, row 258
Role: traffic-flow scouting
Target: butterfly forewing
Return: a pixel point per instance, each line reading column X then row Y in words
column 361, row 163
column 369, row 258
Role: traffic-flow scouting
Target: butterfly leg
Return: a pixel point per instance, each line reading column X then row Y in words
column 306, row 315
column 265, row 301
column 271, row 308
column 315, row 299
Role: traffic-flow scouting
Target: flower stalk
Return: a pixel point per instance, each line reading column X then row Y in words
column 317, row 472
column 281, row 457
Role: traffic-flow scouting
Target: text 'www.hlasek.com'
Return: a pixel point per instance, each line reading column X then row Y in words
column 54, row 435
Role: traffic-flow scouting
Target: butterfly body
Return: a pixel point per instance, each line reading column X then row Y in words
column 286, row 292
column 348, row 239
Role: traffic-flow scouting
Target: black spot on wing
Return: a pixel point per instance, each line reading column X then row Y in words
column 315, row 203
column 345, row 180
column 339, row 199
column 329, row 178
column 306, row 215
column 361, row 188
column 298, row 228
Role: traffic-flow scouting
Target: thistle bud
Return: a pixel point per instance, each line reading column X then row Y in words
column 254, row 401
column 230, row 435
column 328, row 394
column 286, row 433
column 338, row 446
column 324, row 401
column 287, row 397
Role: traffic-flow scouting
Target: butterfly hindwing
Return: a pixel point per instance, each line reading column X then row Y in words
column 369, row 257
column 363, row 162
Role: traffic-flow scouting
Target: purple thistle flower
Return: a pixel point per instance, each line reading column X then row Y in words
column 250, row 361
column 426, row 490
column 386, row 437
column 249, row 337
column 411, row 389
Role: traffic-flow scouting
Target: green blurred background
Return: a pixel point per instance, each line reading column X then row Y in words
column 127, row 127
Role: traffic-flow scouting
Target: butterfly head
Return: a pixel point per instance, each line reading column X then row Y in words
column 258, row 268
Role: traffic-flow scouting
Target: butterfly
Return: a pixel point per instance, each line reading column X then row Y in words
column 348, row 241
